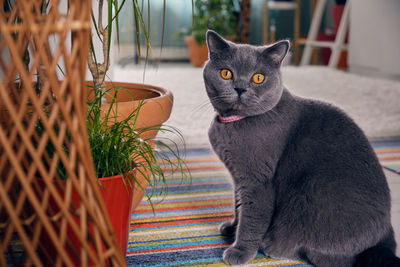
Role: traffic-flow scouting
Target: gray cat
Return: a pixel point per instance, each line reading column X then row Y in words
column 307, row 183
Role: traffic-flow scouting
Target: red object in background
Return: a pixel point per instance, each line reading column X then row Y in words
column 337, row 11
column 326, row 52
column 118, row 200
column 117, row 197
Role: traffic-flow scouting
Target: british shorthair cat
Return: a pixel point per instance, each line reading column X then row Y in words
column 307, row 183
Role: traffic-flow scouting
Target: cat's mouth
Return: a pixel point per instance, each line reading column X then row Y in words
column 238, row 105
column 234, row 109
column 230, row 106
column 229, row 112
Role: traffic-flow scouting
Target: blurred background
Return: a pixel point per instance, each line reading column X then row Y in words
column 342, row 52
column 373, row 37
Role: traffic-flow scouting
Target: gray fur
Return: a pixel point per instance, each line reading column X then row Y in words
column 307, row 183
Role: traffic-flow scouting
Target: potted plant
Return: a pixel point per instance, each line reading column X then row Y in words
column 121, row 157
column 131, row 114
column 155, row 103
column 216, row 15
column 123, row 151
column 123, row 121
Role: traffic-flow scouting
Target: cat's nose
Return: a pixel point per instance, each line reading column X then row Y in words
column 240, row 91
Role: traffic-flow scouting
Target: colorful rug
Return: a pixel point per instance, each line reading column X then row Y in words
column 388, row 154
column 183, row 230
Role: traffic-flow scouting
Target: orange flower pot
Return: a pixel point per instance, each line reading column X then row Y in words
column 198, row 54
column 117, row 195
column 156, row 109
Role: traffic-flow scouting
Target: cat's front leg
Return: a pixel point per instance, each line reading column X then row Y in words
column 228, row 228
column 255, row 209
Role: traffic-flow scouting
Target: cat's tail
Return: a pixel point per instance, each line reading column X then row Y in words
column 378, row 256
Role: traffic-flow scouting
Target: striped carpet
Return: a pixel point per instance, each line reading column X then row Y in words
column 183, row 230
column 389, row 154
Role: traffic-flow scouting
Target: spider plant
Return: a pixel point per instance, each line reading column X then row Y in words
column 117, row 146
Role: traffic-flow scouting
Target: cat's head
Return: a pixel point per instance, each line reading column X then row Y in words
column 243, row 79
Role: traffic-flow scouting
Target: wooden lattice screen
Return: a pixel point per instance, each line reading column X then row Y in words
column 45, row 220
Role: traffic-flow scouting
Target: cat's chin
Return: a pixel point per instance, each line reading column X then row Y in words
column 235, row 109
column 230, row 112
column 247, row 112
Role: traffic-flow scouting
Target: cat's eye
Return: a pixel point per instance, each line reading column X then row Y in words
column 258, row 78
column 226, row 74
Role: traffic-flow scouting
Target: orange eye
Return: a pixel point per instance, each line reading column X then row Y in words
column 226, row 74
column 258, row 78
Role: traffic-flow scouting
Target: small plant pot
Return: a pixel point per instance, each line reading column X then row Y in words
column 118, row 197
column 156, row 109
column 117, row 194
column 198, row 54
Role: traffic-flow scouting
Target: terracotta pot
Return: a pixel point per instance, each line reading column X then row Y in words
column 140, row 186
column 117, row 195
column 198, row 54
column 118, row 198
column 155, row 111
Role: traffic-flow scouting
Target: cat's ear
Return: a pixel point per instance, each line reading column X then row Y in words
column 216, row 43
column 277, row 52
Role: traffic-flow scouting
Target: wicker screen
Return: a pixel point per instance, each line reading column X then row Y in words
column 51, row 212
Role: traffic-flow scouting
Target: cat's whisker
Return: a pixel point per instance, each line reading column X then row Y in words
column 223, row 100
column 205, row 104
column 205, row 107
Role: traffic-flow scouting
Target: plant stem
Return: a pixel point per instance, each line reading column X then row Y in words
column 100, row 19
column 99, row 70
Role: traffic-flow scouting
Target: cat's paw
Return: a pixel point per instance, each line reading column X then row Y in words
column 238, row 256
column 227, row 229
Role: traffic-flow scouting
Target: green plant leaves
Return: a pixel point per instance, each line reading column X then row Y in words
column 139, row 25
column 117, row 146
column 217, row 15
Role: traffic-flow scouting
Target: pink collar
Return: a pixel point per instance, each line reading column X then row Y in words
column 230, row 118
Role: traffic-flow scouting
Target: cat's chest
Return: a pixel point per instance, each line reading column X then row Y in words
column 250, row 142
column 228, row 135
